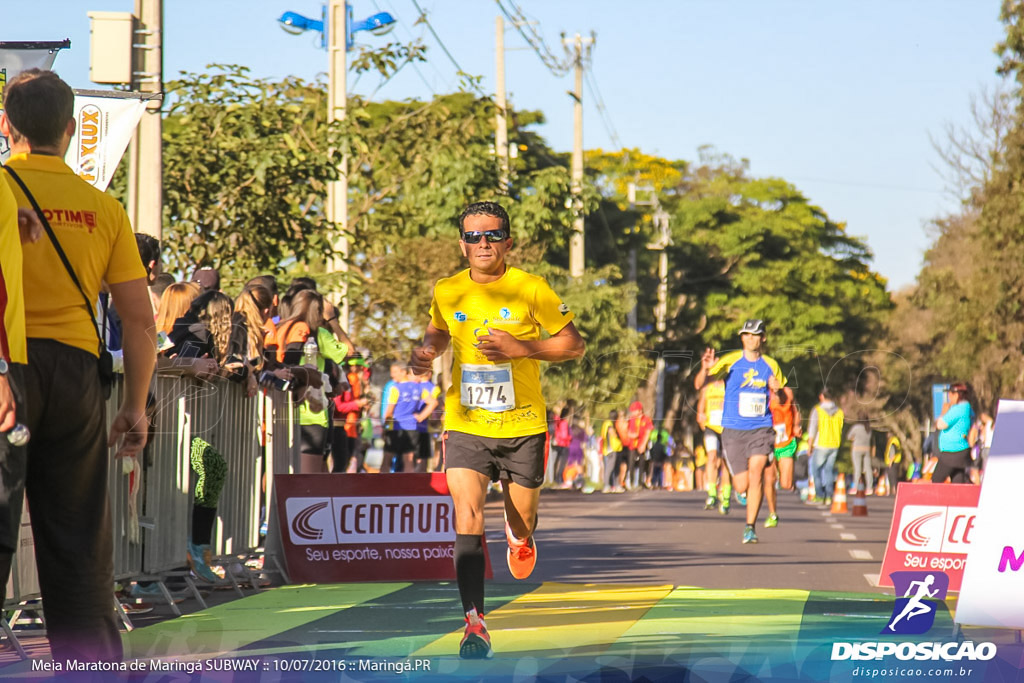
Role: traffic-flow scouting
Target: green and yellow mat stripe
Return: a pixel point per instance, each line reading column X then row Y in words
column 548, row 629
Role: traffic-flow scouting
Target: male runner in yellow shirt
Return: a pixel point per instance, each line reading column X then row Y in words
column 495, row 417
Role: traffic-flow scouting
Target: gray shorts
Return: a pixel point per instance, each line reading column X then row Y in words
column 740, row 444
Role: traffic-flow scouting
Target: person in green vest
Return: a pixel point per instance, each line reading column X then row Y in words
column 825, row 435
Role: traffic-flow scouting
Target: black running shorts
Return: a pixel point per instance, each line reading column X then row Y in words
column 740, row 444
column 313, row 440
column 521, row 458
column 426, row 446
column 406, row 441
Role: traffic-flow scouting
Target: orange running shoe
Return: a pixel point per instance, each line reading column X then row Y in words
column 522, row 555
column 476, row 644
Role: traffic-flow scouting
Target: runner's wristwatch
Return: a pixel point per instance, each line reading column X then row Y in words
column 4, row 367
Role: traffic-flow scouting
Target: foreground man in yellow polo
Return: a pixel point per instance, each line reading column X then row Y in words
column 88, row 242
column 495, row 417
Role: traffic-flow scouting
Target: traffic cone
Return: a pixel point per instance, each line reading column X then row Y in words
column 881, row 489
column 860, row 503
column 839, row 496
column 810, row 490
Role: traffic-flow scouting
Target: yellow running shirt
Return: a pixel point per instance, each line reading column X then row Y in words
column 93, row 230
column 714, row 404
column 500, row 399
column 12, row 301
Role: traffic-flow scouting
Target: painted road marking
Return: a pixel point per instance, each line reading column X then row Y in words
column 861, row 555
column 872, row 579
column 847, row 537
column 238, row 623
column 558, row 617
column 837, row 526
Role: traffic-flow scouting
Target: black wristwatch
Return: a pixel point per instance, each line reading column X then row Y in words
column 4, row 367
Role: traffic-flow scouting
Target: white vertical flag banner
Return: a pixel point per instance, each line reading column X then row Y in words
column 15, row 57
column 105, row 121
column 992, row 592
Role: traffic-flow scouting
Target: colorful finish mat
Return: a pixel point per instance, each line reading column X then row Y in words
column 551, row 631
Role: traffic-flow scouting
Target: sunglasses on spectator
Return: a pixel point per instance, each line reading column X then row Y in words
column 491, row 235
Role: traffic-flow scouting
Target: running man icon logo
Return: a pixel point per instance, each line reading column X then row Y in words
column 914, row 613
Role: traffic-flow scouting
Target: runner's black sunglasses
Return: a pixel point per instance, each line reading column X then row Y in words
column 491, row 235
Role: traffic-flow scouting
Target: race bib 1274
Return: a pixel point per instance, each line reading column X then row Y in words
column 488, row 387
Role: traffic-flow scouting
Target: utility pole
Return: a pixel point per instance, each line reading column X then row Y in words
column 145, row 156
column 576, row 253
column 663, row 240
column 500, row 124
column 337, row 103
column 637, row 195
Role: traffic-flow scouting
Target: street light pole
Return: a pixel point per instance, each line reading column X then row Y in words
column 337, row 102
column 336, row 28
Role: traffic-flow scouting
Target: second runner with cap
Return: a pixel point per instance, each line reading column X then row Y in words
column 747, row 434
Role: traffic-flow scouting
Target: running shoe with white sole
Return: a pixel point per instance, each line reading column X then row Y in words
column 741, row 498
column 723, row 506
column 772, row 521
column 476, row 643
column 522, row 555
column 749, row 536
column 710, row 503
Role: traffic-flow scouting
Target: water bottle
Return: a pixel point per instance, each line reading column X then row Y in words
column 309, row 352
column 18, row 436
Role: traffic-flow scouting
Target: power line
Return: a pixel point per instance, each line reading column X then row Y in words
column 414, row 65
column 423, row 18
column 533, row 38
column 602, row 111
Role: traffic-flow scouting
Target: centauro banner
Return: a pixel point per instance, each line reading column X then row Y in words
column 15, row 57
column 104, row 123
column 365, row 527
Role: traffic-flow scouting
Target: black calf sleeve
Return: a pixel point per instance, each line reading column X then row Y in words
column 469, row 571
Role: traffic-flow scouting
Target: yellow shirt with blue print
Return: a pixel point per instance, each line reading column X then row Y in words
column 518, row 303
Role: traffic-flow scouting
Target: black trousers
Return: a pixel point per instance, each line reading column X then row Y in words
column 65, row 478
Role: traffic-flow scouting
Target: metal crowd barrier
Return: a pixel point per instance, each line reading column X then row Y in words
column 257, row 436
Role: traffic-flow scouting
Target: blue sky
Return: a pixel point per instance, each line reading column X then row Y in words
column 837, row 97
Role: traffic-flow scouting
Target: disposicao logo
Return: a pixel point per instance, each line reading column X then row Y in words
column 914, row 614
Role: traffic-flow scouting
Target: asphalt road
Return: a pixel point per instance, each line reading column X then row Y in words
column 667, row 537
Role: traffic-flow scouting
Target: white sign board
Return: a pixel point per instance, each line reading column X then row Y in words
column 992, row 593
column 104, row 123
